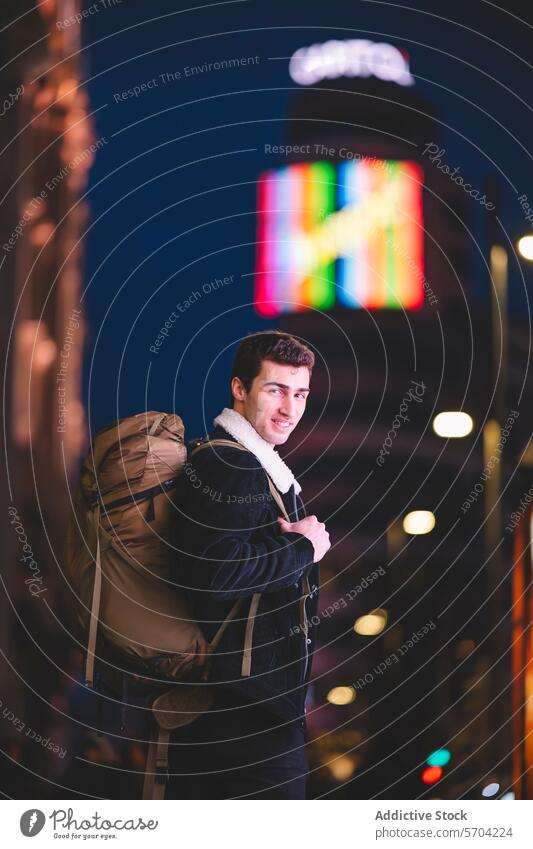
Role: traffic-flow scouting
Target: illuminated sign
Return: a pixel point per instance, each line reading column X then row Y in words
column 354, row 57
column 350, row 234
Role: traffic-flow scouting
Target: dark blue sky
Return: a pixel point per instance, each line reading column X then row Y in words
column 172, row 191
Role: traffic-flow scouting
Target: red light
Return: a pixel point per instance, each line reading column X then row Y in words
column 431, row 774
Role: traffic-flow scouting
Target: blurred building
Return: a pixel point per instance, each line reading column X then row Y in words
column 365, row 250
column 49, row 148
column 521, row 524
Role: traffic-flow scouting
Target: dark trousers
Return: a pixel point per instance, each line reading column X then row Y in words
column 237, row 751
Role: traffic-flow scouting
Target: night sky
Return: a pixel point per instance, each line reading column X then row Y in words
column 173, row 188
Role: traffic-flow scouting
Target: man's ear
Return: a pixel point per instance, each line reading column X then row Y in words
column 237, row 389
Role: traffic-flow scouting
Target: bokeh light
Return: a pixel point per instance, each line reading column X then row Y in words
column 453, row 424
column 419, row 522
column 341, row 695
column 371, row 623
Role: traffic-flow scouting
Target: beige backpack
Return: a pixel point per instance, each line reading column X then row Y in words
column 129, row 614
column 119, row 556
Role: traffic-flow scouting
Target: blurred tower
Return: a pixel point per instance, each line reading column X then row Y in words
column 49, row 148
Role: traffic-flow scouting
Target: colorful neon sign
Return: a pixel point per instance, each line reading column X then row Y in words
column 350, row 234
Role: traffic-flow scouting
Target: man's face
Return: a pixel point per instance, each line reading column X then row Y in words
column 276, row 400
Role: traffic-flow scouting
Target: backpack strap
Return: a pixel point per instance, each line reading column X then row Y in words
column 250, row 622
column 231, row 615
column 277, row 498
column 156, row 768
column 95, row 606
column 157, row 421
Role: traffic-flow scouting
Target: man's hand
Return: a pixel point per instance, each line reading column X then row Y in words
column 311, row 528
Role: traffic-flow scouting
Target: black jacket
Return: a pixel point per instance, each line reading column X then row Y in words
column 231, row 548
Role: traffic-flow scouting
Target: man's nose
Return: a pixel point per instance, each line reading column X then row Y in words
column 288, row 406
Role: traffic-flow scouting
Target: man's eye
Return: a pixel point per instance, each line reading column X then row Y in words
column 300, row 395
column 274, row 390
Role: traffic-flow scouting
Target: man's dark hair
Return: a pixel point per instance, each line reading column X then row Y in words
column 268, row 345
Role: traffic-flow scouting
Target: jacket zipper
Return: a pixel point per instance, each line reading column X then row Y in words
column 304, row 624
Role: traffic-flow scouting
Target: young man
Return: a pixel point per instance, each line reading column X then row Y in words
column 237, row 545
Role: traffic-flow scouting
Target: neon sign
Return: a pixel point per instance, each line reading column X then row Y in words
column 348, row 234
column 355, row 57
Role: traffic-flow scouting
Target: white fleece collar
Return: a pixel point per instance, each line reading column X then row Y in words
column 241, row 430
